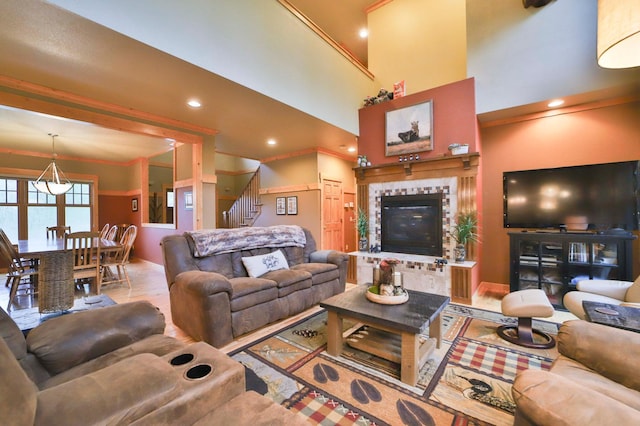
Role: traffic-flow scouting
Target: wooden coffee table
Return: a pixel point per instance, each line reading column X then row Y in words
column 408, row 321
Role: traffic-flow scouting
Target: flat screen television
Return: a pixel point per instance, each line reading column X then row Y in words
column 593, row 197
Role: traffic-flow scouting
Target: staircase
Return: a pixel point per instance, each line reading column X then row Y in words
column 246, row 209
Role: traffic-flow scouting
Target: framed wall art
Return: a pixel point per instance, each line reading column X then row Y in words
column 409, row 129
column 188, row 200
column 292, row 205
column 281, row 205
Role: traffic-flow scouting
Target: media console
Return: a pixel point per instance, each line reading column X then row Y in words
column 556, row 261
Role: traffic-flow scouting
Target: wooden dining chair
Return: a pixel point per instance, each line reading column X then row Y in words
column 85, row 247
column 19, row 272
column 119, row 259
column 105, row 231
column 57, row 231
column 111, row 234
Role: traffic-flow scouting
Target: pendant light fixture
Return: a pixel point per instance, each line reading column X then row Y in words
column 52, row 181
column 618, row 33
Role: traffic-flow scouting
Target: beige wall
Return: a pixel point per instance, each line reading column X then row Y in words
column 111, row 177
column 420, row 41
column 262, row 46
column 300, row 176
column 338, row 169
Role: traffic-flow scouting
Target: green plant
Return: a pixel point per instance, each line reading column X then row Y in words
column 466, row 228
column 362, row 223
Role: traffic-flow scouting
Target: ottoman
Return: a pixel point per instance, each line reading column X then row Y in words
column 524, row 305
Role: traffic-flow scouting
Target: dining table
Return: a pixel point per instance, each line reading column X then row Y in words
column 56, row 289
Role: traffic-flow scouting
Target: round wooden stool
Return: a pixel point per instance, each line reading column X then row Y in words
column 526, row 304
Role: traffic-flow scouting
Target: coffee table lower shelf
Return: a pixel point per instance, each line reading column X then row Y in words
column 388, row 345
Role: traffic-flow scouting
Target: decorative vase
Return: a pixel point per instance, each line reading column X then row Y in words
column 459, row 253
column 363, row 244
column 386, row 275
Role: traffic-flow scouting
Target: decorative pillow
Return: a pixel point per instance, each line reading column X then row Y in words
column 260, row 265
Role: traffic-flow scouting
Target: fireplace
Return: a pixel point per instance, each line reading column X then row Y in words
column 412, row 224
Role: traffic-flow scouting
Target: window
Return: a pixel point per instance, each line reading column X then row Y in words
column 9, row 207
column 26, row 212
column 78, row 207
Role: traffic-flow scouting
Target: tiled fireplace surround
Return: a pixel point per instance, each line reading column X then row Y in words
column 419, row 272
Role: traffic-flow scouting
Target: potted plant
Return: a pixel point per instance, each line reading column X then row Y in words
column 362, row 226
column 463, row 232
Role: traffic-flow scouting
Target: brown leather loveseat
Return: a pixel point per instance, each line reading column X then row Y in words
column 227, row 282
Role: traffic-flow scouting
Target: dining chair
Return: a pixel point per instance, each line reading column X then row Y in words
column 120, row 258
column 57, row 231
column 18, row 269
column 104, row 231
column 85, row 248
column 111, row 234
column 122, row 227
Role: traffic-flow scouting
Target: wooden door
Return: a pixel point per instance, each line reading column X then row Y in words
column 332, row 237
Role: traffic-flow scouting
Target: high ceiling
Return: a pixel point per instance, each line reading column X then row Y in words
column 51, row 47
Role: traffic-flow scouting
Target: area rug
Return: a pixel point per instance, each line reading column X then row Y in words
column 467, row 381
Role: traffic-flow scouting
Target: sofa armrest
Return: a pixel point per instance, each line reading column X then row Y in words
column 116, row 394
column 610, row 288
column 544, row 398
column 609, row 351
column 203, row 282
column 69, row 340
column 328, row 256
column 201, row 306
column 337, row 258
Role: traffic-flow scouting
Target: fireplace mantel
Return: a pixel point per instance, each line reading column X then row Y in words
column 448, row 165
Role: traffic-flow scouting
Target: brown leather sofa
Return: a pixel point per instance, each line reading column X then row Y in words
column 594, row 381
column 213, row 298
column 113, row 365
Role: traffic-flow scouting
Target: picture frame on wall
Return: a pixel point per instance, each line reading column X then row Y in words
column 292, row 205
column 134, row 204
column 409, row 130
column 281, row 205
column 188, row 200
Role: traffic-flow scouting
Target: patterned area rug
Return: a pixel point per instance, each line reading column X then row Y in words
column 465, row 382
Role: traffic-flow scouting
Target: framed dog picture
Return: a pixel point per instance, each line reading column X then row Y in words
column 409, row 129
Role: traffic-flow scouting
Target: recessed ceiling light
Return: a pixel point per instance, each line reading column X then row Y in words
column 364, row 33
column 271, row 142
column 555, row 103
column 194, row 103
column 352, row 149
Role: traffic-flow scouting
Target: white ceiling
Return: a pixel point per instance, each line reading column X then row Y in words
column 51, row 47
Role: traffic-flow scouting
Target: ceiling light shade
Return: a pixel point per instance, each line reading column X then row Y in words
column 618, row 33
column 52, row 181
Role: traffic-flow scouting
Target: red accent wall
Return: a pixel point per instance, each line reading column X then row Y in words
column 602, row 134
column 454, row 121
column 115, row 209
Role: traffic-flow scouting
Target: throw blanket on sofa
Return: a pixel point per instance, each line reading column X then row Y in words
column 217, row 241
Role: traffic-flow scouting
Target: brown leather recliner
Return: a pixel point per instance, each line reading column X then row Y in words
column 113, row 365
column 594, row 380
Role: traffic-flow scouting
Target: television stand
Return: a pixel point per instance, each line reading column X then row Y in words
column 555, row 261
